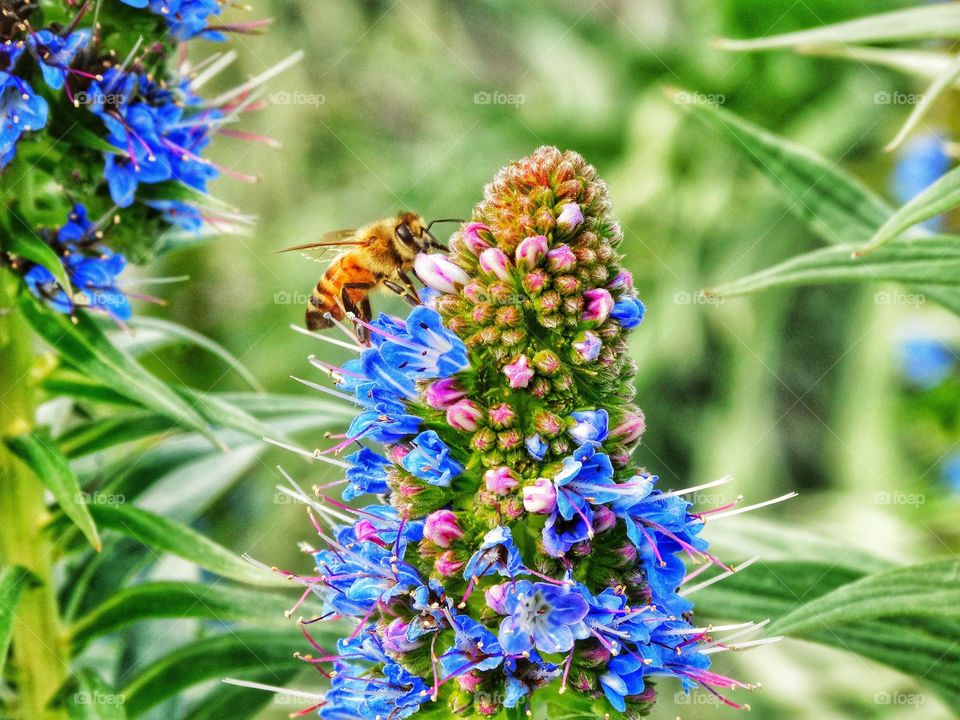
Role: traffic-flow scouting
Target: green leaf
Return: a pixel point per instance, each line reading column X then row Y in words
column 41, row 455
column 170, row 333
column 933, row 260
column 919, row 23
column 940, row 197
column 88, row 697
column 213, row 658
column 13, row 581
column 165, row 535
column 930, row 589
column 177, row 600
column 926, row 64
column 36, row 250
column 100, row 434
column 85, row 347
column 946, row 79
column 89, row 139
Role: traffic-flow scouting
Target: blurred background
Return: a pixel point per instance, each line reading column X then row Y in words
column 846, row 394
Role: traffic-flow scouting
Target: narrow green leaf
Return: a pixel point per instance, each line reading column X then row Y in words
column 40, row 454
column 935, row 21
column 947, row 78
column 940, row 197
column 165, row 535
column 13, row 581
column 931, row 260
column 88, row 697
column 85, row 347
column 925, row 64
column 930, row 589
column 172, row 332
column 213, row 658
column 89, row 139
column 100, row 434
column 64, row 381
column 177, row 600
column 34, row 249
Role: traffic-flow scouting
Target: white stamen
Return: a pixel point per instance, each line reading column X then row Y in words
column 328, row 391
column 256, row 80
column 306, row 453
column 302, row 496
column 752, row 629
column 718, row 578
column 742, row 646
column 710, row 628
column 218, row 65
column 696, row 488
column 274, row 689
column 748, row 508
column 326, row 338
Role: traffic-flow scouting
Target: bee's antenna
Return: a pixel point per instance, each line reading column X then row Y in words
column 442, row 220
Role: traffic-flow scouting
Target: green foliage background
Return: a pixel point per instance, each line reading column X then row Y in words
column 793, row 389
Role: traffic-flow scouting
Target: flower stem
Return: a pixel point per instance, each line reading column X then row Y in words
column 39, row 652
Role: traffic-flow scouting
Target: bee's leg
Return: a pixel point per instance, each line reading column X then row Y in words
column 403, row 292
column 361, row 310
column 409, row 284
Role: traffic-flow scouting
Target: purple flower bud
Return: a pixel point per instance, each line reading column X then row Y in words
column 500, row 480
column 475, row 292
column 442, row 528
column 519, row 372
column 541, row 497
column 603, row 519
column 496, row 597
column 443, row 393
column 435, row 270
column 464, row 415
column 531, row 251
column 561, row 259
column 471, row 237
column 631, row 427
column 447, row 564
column 623, row 281
column 501, row 416
column 469, row 681
column 399, row 452
column 395, row 639
column 587, row 346
column 598, row 304
column 570, row 217
column 594, row 656
column 494, row 261
column 365, row 531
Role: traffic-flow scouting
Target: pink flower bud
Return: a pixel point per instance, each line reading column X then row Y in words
column 464, row 415
column 395, row 637
column 435, row 270
column 471, row 237
column 541, row 497
column 597, row 305
column 603, row 519
column 399, row 452
column 364, row 531
column 443, row 393
column 500, row 480
column 496, row 597
column 630, row 428
column 475, row 292
column 502, row 416
column 494, row 261
column 441, row 527
column 623, row 281
column 469, row 681
column 519, row 372
column 570, row 217
column 447, row 564
column 587, row 346
column 561, row 259
column 531, row 251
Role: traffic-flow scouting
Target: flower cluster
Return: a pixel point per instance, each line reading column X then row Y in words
column 519, row 553
column 114, row 127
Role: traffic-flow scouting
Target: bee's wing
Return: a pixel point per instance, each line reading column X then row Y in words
column 337, row 238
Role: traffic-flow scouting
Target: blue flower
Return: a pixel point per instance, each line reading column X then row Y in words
column 426, row 349
column 497, row 554
column 951, row 472
column 926, row 362
column 624, row 676
column 9, row 54
column 184, row 215
column 585, row 474
column 366, row 474
column 44, row 286
column 922, row 162
column 591, row 425
column 96, row 278
column 430, row 460
column 21, row 110
column 186, row 18
column 536, row 446
column 560, row 534
column 526, row 674
column 542, row 616
column 628, row 312
column 77, row 226
column 55, row 53
column 475, row 648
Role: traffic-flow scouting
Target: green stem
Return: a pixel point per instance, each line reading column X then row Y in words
column 39, row 651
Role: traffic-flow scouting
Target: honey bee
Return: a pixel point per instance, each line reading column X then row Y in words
column 379, row 254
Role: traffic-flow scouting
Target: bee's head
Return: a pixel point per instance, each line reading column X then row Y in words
column 414, row 235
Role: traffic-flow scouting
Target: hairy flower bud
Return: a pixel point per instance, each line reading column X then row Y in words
column 630, row 428
column 441, row 528
column 441, row 394
column 471, row 237
column 500, row 480
column 495, row 262
column 561, row 259
column 531, row 251
column 519, row 372
column 598, row 305
column 464, row 415
column 436, row 271
column 541, row 497
column 570, row 217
